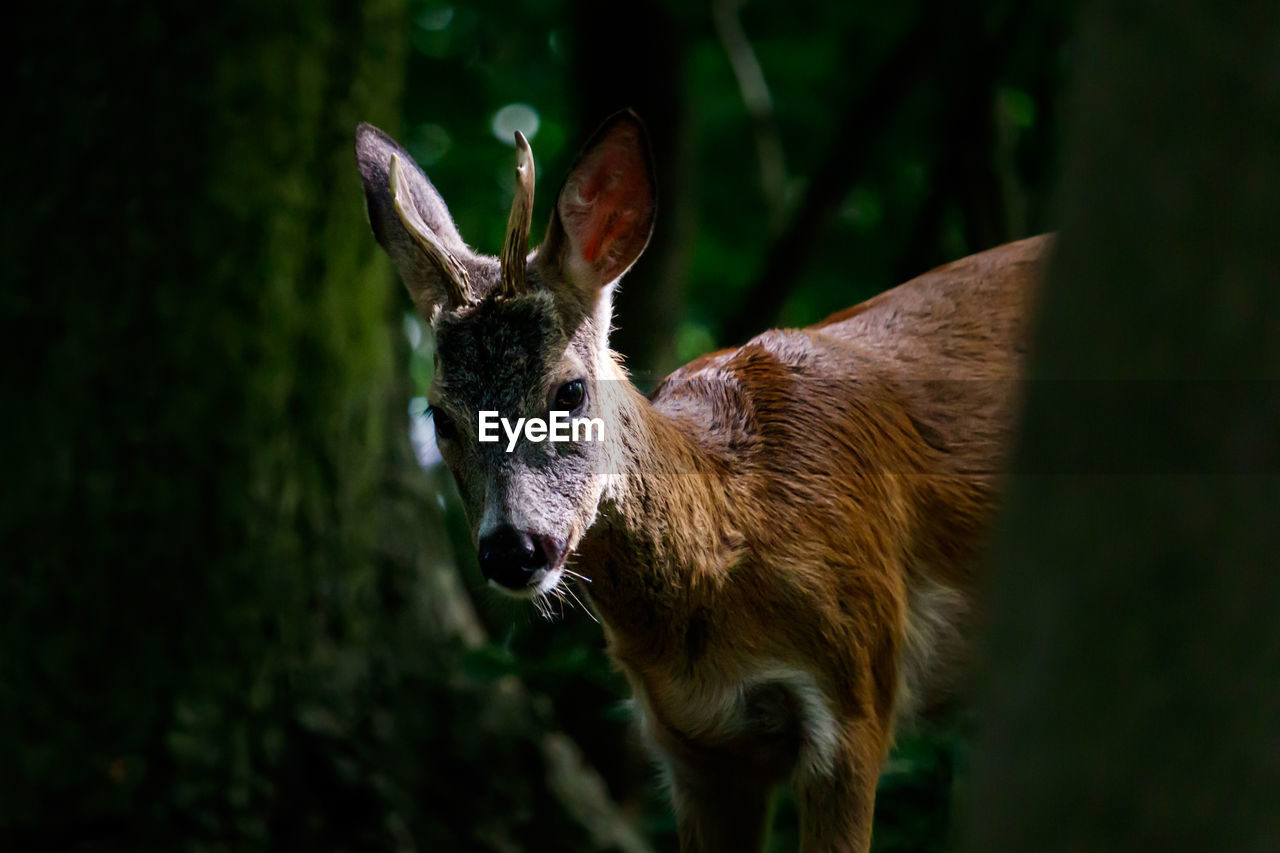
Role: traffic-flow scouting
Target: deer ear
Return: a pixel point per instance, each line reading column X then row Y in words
column 411, row 222
column 605, row 211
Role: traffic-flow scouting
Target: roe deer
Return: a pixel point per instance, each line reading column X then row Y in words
column 781, row 540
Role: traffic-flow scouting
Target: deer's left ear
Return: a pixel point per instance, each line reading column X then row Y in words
column 605, row 211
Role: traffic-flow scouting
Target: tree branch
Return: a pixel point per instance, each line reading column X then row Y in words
column 759, row 104
column 964, row 172
column 845, row 163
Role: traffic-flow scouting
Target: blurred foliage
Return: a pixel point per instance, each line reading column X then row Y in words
column 964, row 162
column 218, row 621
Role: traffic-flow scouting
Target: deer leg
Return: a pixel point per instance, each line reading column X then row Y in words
column 721, row 813
column 836, row 808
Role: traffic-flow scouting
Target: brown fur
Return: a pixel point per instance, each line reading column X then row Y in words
column 788, row 497
column 781, row 543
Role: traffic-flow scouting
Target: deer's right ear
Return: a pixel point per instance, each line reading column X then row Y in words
column 410, row 221
column 605, row 211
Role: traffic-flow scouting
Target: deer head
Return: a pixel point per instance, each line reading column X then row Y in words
column 523, row 335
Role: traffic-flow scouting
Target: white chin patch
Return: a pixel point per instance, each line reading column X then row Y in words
column 549, row 581
column 544, row 582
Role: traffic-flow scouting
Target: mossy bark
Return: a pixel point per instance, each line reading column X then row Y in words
column 206, row 416
column 230, row 615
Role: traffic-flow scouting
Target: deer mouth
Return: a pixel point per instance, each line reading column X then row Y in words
column 540, row 582
column 551, row 578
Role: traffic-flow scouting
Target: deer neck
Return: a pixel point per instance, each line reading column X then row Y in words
column 662, row 540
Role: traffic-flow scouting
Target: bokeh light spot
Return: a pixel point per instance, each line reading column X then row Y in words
column 513, row 117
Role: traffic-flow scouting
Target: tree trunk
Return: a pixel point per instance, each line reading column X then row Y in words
column 229, row 615
column 1134, row 662
column 200, row 459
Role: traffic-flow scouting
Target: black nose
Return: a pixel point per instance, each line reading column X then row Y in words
column 510, row 557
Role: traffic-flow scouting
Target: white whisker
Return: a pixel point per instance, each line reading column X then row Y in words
column 564, row 594
column 548, row 611
column 585, row 608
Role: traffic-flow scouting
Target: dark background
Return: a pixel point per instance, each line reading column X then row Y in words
column 236, row 613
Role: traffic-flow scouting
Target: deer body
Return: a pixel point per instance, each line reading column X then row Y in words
column 781, row 542
column 812, row 537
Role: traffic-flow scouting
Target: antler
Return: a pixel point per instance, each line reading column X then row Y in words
column 515, row 248
column 456, row 280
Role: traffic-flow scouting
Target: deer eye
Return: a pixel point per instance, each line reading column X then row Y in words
column 570, row 395
column 445, row 427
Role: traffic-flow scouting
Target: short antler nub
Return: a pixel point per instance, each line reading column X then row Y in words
column 456, row 280
column 515, row 248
